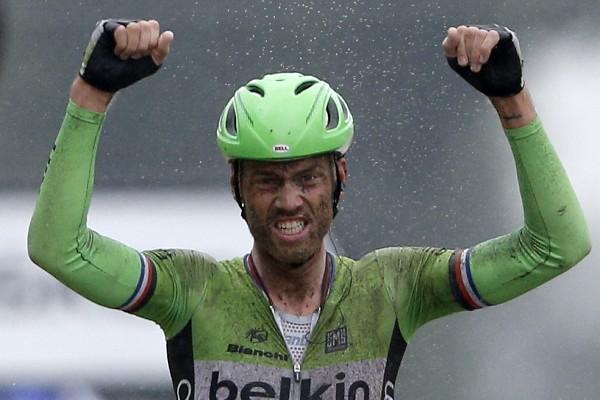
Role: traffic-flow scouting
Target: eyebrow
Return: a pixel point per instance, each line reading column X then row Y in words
column 270, row 171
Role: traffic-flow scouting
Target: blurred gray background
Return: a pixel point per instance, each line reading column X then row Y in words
column 429, row 166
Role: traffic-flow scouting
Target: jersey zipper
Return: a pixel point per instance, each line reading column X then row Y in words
column 296, row 366
column 297, row 372
column 327, row 278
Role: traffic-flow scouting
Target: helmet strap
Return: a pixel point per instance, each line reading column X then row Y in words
column 339, row 187
column 236, row 183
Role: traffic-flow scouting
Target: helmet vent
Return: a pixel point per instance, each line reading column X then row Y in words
column 303, row 86
column 333, row 116
column 230, row 122
column 344, row 109
column 256, row 90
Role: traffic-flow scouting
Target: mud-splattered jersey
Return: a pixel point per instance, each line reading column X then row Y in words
column 223, row 342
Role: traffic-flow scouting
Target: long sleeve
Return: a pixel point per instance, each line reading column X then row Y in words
column 59, row 240
column 554, row 236
column 426, row 283
column 162, row 285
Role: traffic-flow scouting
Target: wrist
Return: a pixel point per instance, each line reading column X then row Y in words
column 87, row 96
column 515, row 111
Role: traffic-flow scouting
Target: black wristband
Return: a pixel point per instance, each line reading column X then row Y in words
column 104, row 70
column 502, row 75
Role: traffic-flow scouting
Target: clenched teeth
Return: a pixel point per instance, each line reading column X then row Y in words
column 291, row 227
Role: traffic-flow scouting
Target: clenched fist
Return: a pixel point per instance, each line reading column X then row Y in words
column 487, row 56
column 121, row 52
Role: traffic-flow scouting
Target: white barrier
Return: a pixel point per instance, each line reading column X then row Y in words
column 50, row 334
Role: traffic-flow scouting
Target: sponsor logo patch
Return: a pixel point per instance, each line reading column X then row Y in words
column 336, row 340
column 239, row 380
column 309, row 390
column 257, row 335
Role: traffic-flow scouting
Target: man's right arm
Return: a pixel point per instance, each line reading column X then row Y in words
column 99, row 268
column 59, row 240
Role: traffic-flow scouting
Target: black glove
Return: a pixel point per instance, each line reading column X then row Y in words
column 502, row 75
column 104, row 70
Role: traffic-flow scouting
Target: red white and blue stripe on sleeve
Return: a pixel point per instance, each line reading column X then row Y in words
column 145, row 286
column 461, row 281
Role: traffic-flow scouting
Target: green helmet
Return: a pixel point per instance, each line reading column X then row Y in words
column 284, row 116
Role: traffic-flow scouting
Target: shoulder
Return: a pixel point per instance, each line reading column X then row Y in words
column 387, row 253
column 193, row 266
column 179, row 256
column 193, row 259
column 401, row 258
column 410, row 253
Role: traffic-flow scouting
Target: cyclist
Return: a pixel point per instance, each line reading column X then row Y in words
column 289, row 320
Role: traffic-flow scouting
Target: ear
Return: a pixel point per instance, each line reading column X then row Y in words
column 233, row 179
column 235, row 171
column 342, row 166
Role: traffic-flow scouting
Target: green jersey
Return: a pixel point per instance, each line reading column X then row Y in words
column 222, row 338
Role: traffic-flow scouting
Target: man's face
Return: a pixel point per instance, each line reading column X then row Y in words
column 288, row 206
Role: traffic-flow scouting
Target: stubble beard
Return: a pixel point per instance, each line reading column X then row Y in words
column 296, row 255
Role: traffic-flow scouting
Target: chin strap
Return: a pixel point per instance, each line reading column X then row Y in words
column 339, row 187
column 235, row 167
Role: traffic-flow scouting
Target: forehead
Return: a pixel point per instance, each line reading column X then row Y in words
column 283, row 167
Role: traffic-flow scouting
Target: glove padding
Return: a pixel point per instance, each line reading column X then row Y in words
column 502, row 75
column 103, row 69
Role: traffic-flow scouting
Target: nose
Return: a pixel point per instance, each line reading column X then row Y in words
column 289, row 197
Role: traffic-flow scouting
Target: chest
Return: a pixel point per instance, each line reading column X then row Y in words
column 240, row 353
column 237, row 324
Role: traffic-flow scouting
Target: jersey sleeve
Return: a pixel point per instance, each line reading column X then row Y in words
column 101, row 269
column 554, row 236
column 416, row 281
column 429, row 283
column 176, row 284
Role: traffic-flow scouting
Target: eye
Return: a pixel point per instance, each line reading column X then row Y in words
column 266, row 182
column 309, row 179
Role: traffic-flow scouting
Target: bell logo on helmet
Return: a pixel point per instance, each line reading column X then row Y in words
column 281, row 148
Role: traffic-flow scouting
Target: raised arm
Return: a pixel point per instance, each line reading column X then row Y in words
column 101, row 269
column 554, row 236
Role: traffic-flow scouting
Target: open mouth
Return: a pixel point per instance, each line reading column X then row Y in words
column 290, row 227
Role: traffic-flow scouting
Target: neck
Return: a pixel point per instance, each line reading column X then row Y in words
column 294, row 289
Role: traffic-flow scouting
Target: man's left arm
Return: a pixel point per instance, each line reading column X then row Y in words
column 425, row 283
column 554, row 236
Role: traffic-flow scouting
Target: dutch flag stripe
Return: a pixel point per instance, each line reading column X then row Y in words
column 463, row 294
column 144, row 288
column 466, row 283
